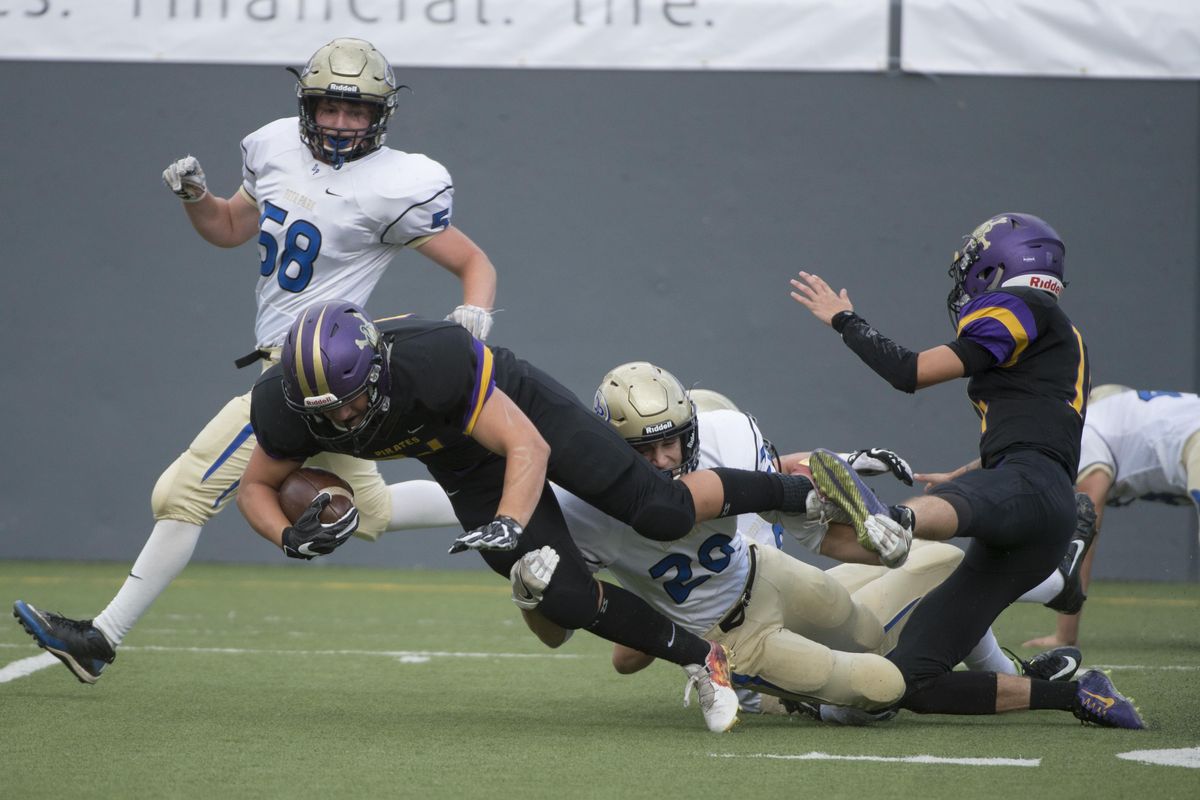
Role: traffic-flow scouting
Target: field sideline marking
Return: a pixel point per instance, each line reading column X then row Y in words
column 28, row 666
column 922, row 759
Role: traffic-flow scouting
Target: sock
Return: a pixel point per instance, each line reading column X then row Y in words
column 419, row 504
column 988, row 657
column 748, row 492
column 163, row 557
column 627, row 619
column 953, row 693
column 1058, row 695
column 1045, row 591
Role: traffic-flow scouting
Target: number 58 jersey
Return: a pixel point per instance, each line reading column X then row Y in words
column 327, row 234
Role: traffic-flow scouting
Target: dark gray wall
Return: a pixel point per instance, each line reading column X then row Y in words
column 632, row 215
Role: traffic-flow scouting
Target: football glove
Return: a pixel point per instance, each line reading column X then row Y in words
column 891, row 539
column 502, row 533
column 474, row 318
column 310, row 537
column 186, row 179
column 877, row 461
column 531, row 575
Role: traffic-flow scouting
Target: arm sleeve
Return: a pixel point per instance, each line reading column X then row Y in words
column 895, row 364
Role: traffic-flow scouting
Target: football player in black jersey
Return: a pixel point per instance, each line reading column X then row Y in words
column 1028, row 381
column 492, row 430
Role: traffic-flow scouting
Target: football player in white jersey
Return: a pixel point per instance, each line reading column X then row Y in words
column 804, row 636
column 330, row 207
column 1137, row 445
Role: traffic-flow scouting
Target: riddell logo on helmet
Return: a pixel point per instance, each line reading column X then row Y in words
column 348, row 88
column 1046, row 283
column 320, row 401
column 658, row 427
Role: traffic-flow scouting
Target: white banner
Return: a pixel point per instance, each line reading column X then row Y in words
column 1079, row 38
column 842, row 35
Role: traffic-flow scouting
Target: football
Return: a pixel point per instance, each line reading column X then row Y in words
column 302, row 486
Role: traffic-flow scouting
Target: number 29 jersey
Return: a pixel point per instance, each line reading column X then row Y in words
column 327, row 234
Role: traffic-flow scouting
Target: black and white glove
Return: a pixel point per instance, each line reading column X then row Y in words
column 310, row 537
column 502, row 533
column 888, row 538
column 186, row 179
column 877, row 461
column 476, row 319
column 531, row 575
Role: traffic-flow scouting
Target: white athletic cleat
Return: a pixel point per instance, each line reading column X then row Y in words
column 718, row 700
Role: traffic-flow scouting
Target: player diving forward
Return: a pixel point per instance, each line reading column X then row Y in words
column 492, row 430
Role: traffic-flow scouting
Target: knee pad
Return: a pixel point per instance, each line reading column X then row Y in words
column 664, row 522
column 175, row 497
column 570, row 604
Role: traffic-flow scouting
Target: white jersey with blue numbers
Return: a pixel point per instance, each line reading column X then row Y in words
column 694, row 580
column 1138, row 438
column 328, row 234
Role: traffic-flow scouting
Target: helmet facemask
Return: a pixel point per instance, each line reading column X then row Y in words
column 350, row 70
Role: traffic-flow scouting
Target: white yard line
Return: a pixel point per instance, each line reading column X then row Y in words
column 28, row 666
column 922, row 759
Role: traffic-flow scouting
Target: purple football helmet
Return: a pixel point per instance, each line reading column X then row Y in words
column 333, row 353
column 1010, row 249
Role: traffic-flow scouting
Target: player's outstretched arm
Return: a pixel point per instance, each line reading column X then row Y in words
column 899, row 366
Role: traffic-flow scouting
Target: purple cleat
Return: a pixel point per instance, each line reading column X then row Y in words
column 1098, row 702
column 840, row 485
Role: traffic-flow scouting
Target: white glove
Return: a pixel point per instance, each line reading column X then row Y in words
column 531, row 575
column 474, row 318
column 818, row 509
column 186, row 179
column 877, row 461
column 889, row 538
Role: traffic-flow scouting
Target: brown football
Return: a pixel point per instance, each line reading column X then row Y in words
column 301, row 487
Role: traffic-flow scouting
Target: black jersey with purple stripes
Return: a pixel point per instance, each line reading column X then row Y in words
column 1029, row 374
column 439, row 378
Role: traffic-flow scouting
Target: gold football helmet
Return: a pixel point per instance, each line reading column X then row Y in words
column 708, row 400
column 647, row 404
column 345, row 69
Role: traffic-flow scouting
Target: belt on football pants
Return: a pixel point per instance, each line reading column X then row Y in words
column 737, row 614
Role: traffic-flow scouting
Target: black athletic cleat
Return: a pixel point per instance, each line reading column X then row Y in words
column 1098, row 702
column 77, row 643
column 1070, row 599
column 1058, row 664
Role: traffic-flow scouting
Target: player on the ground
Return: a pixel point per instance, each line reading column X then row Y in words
column 792, row 630
column 492, row 430
column 1137, row 445
column 1029, row 379
column 330, row 206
